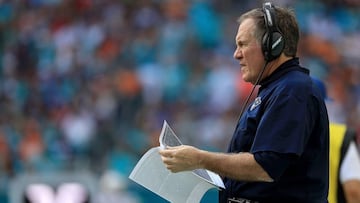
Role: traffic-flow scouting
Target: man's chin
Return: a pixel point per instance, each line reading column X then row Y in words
column 246, row 79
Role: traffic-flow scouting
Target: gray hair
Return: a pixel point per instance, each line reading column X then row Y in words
column 286, row 23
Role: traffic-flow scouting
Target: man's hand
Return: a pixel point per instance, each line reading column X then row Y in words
column 181, row 158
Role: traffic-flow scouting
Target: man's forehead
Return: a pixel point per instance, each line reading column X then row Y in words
column 245, row 29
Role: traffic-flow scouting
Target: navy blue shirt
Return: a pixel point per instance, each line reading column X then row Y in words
column 287, row 129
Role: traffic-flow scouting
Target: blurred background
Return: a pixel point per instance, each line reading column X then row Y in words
column 86, row 84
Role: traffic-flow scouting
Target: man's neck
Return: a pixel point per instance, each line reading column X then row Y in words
column 275, row 64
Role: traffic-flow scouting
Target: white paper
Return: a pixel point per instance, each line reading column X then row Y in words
column 181, row 187
column 167, row 137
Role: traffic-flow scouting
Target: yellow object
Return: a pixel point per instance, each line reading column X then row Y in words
column 337, row 134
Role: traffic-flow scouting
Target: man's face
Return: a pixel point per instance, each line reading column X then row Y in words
column 248, row 51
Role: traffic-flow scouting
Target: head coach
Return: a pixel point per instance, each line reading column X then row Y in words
column 279, row 151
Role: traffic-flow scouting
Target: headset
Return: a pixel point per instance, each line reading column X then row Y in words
column 273, row 44
column 273, row 41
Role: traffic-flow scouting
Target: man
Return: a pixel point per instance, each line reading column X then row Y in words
column 344, row 182
column 280, row 148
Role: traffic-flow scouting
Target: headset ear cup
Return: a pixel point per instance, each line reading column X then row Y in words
column 275, row 48
column 265, row 46
column 277, row 45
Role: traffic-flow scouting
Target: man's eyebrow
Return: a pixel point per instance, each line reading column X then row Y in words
column 241, row 41
column 238, row 39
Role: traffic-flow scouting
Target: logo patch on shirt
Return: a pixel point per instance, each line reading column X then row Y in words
column 256, row 103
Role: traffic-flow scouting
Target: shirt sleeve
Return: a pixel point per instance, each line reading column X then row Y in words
column 286, row 125
column 274, row 163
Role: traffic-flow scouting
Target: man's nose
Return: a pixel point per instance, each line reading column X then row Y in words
column 238, row 53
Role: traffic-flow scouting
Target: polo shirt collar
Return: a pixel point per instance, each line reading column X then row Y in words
column 287, row 66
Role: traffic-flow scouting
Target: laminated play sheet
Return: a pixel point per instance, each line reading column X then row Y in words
column 186, row 186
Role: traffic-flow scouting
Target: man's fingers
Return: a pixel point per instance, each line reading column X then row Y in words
column 168, row 152
column 168, row 161
column 173, row 157
column 172, row 168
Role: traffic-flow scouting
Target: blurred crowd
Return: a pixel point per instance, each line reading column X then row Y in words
column 87, row 84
